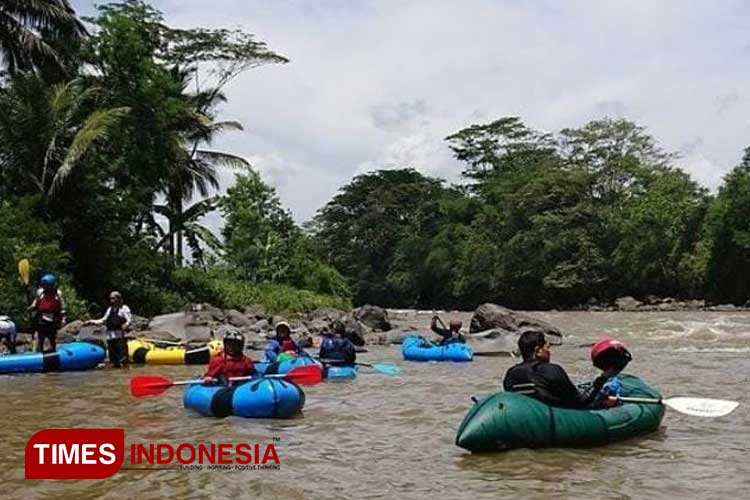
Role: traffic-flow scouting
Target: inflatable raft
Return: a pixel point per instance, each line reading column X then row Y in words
column 75, row 356
column 509, row 420
column 143, row 352
column 339, row 372
column 416, row 348
column 258, row 398
column 289, row 363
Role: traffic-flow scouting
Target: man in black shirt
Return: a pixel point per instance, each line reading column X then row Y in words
column 538, row 378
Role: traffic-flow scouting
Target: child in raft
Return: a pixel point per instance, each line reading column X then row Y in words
column 282, row 347
column 336, row 347
column 231, row 362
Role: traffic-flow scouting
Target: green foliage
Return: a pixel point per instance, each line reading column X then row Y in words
column 728, row 236
column 219, row 288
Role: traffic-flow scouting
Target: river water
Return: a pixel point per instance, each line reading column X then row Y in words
column 392, row 437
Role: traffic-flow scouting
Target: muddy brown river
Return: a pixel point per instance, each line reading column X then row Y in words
column 392, row 437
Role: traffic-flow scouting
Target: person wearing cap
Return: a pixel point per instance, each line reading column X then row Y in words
column 449, row 335
column 336, row 347
column 282, row 343
column 117, row 320
column 230, row 362
column 548, row 382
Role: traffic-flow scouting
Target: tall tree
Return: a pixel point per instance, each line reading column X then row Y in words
column 33, row 32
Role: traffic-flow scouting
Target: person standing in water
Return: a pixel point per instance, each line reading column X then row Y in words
column 48, row 311
column 117, row 320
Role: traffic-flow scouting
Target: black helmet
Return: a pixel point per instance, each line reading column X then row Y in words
column 235, row 337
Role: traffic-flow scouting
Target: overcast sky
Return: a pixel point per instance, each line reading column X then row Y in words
column 374, row 84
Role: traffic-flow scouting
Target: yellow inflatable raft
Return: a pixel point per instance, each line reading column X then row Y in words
column 141, row 351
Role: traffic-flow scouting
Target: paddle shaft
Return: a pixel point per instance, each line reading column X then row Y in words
column 652, row 401
column 230, row 379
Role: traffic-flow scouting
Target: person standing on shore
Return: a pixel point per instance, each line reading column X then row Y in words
column 48, row 311
column 117, row 319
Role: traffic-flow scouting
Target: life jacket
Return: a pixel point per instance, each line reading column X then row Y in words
column 49, row 303
column 114, row 321
column 288, row 345
column 338, row 349
column 230, row 367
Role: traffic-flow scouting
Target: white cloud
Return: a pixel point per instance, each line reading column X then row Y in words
column 379, row 83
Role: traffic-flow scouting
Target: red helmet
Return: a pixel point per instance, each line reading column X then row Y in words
column 610, row 353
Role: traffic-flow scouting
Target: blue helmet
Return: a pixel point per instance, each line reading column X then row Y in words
column 48, row 281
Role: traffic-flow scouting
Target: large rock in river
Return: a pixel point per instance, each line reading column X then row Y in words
column 494, row 317
column 374, row 317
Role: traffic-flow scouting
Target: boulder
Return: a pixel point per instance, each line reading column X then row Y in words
column 492, row 316
column 154, row 335
column 262, row 326
column 374, row 317
column 237, row 319
column 256, row 311
column 138, row 323
column 327, row 314
column 723, row 308
column 355, row 331
column 319, row 326
column 495, row 340
column 627, row 303
column 69, row 332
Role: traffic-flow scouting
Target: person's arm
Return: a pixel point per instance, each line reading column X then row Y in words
column 215, row 367
column 350, row 353
column 443, row 332
column 569, row 394
column 272, row 349
column 99, row 321
column 127, row 316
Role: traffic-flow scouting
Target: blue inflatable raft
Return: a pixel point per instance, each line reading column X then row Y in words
column 416, row 348
column 287, row 365
column 258, row 398
column 339, row 372
column 75, row 356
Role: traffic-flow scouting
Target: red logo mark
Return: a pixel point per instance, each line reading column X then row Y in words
column 75, row 453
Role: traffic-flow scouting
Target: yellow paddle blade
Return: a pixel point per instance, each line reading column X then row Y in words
column 24, row 270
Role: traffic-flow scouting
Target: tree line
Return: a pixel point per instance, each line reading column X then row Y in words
column 542, row 220
column 107, row 170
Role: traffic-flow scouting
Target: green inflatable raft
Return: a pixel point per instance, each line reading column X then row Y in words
column 509, row 420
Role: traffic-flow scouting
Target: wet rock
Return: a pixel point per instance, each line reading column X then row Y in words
column 155, row 335
column 69, row 332
column 319, row 326
column 374, row 317
column 492, row 316
column 237, row 319
column 393, row 336
column 139, row 323
column 496, row 340
column 256, row 311
column 327, row 314
column 354, row 330
column 695, row 305
column 262, row 326
column 627, row 303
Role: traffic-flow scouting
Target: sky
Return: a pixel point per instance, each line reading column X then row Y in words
column 381, row 83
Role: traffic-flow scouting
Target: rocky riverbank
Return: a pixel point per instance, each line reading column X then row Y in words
column 493, row 327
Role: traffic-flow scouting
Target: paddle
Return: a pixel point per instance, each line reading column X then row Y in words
column 384, row 368
column 496, row 354
column 24, row 271
column 696, row 407
column 152, row 385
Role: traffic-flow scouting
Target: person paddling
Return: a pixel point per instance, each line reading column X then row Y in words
column 536, row 377
column 49, row 312
column 117, row 319
column 450, row 335
column 336, row 347
column 231, row 362
column 282, row 343
column 609, row 355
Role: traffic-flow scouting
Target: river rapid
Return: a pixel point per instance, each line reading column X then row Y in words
column 392, row 437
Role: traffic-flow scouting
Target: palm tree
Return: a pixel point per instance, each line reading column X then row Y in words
column 187, row 226
column 194, row 168
column 33, row 31
column 46, row 132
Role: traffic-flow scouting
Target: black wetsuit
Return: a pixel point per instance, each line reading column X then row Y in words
column 446, row 334
column 549, row 383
